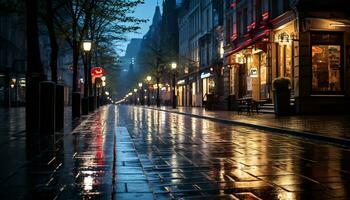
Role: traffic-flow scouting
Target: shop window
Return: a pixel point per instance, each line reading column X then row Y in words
column 326, row 68
column 193, row 88
column 285, row 60
column 211, row 86
column 232, row 79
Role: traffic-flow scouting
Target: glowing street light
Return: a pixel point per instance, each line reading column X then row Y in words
column 87, row 45
column 140, row 85
column 148, row 78
column 173, row 65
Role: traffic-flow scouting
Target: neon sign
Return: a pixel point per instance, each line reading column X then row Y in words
column 97, row 72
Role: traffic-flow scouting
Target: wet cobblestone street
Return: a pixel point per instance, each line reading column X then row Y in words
column 123, row 152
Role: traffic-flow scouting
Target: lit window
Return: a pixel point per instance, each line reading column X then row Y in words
column 326, row 68
column 222, row 49
column 193, row 88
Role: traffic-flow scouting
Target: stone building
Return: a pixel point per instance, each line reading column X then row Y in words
column 200, row 51
column 302, row 40
column 13, row 59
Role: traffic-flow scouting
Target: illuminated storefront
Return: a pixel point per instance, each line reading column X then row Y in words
column 248, row 73
column 181, row 93
column 208, row 84
column 323, row 66
column 316, row 61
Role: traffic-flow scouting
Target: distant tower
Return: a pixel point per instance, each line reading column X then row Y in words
column 169, row 41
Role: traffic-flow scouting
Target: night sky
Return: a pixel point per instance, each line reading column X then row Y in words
column 144, row 11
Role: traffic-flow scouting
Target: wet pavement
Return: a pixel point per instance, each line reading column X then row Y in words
column 123, row 152
column 327, row 125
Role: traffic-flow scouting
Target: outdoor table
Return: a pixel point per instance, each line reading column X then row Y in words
column 245, row 102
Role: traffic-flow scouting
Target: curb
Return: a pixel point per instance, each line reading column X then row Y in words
column 276, row 130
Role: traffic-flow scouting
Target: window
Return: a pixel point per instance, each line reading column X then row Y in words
column 326, row 68
column 258, row 10
column 285, row 5
column 245, row 20
column 194, row 88
column 221, row 49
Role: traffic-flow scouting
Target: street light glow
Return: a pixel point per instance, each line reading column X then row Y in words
column 87, row 45
column 107, row 93
column 149, row 78
column 135, row 90
column 103, row 78
column 173, row 65
column 140, row 84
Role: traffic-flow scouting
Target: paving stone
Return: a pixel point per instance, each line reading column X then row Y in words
column 133, row 153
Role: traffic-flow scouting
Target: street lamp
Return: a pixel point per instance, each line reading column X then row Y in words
column 135, row 96
column 173, row 67
column 148, row 80
column 142, row 100
column 85, row 102
column 87, row 44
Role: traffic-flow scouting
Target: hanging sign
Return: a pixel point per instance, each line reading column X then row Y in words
column 205, row 75
column 97, row 72
column 253, row 72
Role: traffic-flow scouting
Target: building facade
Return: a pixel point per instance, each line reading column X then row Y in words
column 301, row 40
column 13, row 60
column 200, row 51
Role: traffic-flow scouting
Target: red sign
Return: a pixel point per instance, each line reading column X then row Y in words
column 97, row 72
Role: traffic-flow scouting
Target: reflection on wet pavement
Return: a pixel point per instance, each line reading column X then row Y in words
column 134, row 153
column 191, row 158
column 335, row 126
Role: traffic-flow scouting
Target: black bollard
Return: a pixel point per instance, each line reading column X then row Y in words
column 47, row 107
column 98, row 102
column 76, row 106
column 85, row 106
column 59, row 107
column 92, row 103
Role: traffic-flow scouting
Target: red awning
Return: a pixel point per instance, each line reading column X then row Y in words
column 249, row 42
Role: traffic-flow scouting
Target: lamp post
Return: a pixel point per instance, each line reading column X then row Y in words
column 148, row 79
column 173, row 67
column 142, row 99
column 130, row 98
column 103, row 79
column 85, row 101
column 135, row 96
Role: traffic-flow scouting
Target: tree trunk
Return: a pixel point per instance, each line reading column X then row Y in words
column 35, row 72
column 158, row 100
column 75, row 58
column 53, row 40
column 158, row 80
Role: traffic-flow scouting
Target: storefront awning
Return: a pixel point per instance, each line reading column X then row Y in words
column 206, row 75
column 249, row 42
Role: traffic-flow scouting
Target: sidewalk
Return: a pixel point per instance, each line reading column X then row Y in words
column 332, row 128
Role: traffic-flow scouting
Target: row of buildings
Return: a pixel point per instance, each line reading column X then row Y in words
column 13, row 60
column 236, row 48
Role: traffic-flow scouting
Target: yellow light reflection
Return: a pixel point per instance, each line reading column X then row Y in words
column 88, row 182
